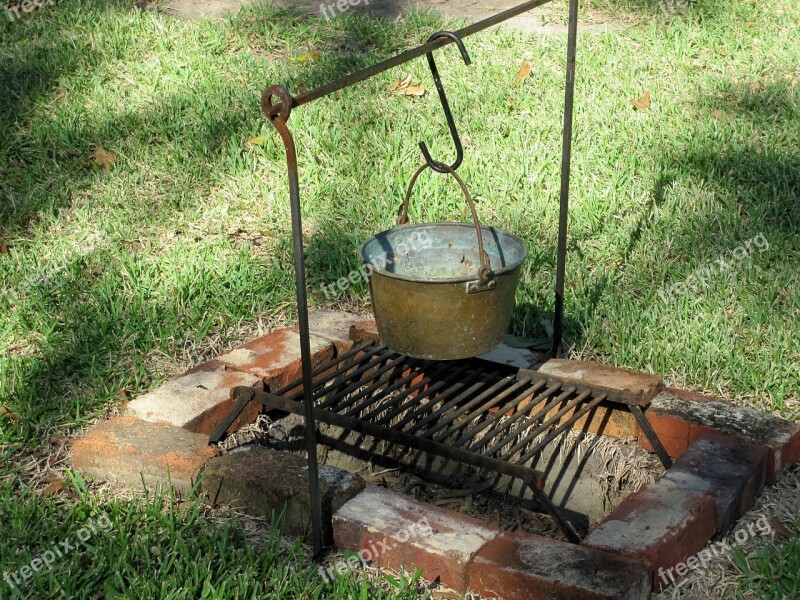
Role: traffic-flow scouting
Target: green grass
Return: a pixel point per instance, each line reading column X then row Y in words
column 124, row 271
column 772, row 573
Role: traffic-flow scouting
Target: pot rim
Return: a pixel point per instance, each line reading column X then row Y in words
column 495, row 273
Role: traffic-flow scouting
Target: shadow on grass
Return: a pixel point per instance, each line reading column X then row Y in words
column 87, row 350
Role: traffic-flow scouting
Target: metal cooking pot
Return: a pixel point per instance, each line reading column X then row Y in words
column 436, row 293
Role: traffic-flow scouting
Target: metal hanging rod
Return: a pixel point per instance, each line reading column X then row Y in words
column 411, row 54
column 278, row 114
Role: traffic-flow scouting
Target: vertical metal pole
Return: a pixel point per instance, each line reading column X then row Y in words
column 278, row 116
column 566, row 153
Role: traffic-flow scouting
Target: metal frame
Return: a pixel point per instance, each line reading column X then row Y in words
column 278, row 114
column 490, row 416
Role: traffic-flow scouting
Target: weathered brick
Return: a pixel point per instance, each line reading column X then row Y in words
column 514, row 356
column 275, row 357
column 626, row 383
column 260, row 482
column 607, row 419
column 334, row 325
column 397, row 531
column 732, row 470
column 126, row 449
column 679, row 419
column 522, row 566
column 663, row 522
column 196, row 400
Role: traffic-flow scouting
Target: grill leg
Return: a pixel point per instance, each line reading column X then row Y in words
column 562, row 522
column 651, row 436
column 278, row 115
column 243, row 397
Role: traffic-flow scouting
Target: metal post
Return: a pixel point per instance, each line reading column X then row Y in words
column 566, row 152
column 278, row 115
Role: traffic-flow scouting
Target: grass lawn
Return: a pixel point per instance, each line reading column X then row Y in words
column 683, row 255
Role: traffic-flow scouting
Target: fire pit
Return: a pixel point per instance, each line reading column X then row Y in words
column 476, row 413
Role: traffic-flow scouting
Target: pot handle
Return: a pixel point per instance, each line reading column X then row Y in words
column 485, row 272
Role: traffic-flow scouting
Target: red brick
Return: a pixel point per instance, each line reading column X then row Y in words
column 275, row 357
column 196, row 400
column 663, row 522
column 417, row 535
column 679, row 419
column 125, row 449
column 730, row 469
column 334, row 325
column 522, row 566
column 625, row 383
column 675, row 434
column 263, row 483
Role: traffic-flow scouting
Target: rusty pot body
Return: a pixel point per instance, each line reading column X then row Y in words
column 429, row 298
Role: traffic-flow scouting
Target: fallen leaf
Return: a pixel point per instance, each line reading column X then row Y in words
column 51, row 477
column 405, row 82
column 124, row 395
column 717, row 114
column 3, row 249
column 53, row 488
column 524, row 71
column 754, row 86
column 305, row 57
column 103, row 158
column 4, row 412
column 643, row 103
column 258, row 140
column 781, row 530
column 413, row 90
column 394, row 85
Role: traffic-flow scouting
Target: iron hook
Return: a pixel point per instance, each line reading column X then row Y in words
column 433, row 164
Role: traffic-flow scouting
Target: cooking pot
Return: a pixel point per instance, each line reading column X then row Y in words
column 442, row 291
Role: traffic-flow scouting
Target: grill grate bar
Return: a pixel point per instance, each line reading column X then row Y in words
column 514, row 402
column 474, row 388
column 561, row 428
column 444, row 421
column 362, row 376
column 552, row 389
column 430, row 392
column 398, row 400
column 346, row 373
column 324, row 367
column 545, row 424
column 436, row 398
column 394, row 382
column 391, row 371
column 494, row 400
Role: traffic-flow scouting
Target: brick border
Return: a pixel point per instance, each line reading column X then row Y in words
column 163, row 437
